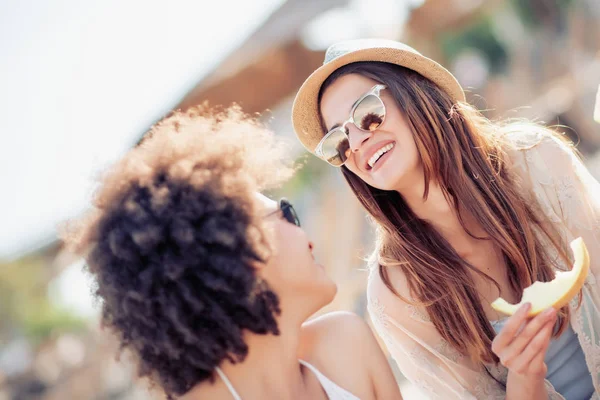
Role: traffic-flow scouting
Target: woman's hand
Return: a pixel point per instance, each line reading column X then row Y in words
column 521, row 347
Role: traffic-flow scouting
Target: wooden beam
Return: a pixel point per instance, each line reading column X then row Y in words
column 280, row 30
column 264, row 83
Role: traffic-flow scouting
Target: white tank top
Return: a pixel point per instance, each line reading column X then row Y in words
column 333, row 391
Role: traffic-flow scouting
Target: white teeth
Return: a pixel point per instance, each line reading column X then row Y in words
column 379, row 153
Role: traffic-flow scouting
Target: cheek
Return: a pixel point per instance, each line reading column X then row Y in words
column 352, row 167
column 410, row 147
column 405, row 138
column 292, row 246
column 351, row 164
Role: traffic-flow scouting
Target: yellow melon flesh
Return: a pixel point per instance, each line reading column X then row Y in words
column 556, row 293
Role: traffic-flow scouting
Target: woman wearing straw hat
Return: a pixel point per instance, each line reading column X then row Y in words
column 466, row 210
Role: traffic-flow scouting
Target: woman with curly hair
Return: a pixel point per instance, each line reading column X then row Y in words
column 466, row 210
column 210, row 284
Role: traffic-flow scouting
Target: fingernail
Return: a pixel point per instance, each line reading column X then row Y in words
column 526, row 307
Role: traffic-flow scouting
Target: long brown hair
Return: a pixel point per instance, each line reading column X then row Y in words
column 464, row 153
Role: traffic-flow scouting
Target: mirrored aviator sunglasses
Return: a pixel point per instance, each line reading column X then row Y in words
column 367, row 114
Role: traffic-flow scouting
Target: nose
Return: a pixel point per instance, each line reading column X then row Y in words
column 356, row 137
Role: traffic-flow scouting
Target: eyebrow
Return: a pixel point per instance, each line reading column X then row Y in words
column 335, row 126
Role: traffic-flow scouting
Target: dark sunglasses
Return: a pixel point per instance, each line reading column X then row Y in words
column 288, row 212
column 367, row 114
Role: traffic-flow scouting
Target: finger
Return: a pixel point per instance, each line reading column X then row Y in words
column 538, row 364
column 536, row 348
column 511, row 327
column 520, row 342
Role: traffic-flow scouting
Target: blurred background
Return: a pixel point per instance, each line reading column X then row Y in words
column 81, row 81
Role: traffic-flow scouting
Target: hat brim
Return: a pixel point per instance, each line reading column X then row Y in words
column 305, row 110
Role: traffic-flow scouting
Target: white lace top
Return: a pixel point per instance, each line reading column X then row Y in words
column 333, row 391
column 551, row 174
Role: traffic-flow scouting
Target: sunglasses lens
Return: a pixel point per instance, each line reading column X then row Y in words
column 336, row 147
column 369, row 113
column 292, row 216
column 289, row 213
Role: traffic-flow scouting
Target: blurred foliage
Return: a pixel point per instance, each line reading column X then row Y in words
column 25, row 306
column 480, row 36
column 309, row 173
column 46, row 321
column 535, row 13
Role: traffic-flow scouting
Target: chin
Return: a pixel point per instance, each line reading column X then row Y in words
column 331, row 292
column 388, row 184
column 384, row 186
column 397, row 177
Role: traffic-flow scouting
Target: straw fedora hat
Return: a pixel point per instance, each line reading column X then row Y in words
column 305, row 111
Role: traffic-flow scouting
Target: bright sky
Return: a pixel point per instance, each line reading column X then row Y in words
column 80, row 81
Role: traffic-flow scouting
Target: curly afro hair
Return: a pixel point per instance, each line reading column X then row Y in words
column 171, row 239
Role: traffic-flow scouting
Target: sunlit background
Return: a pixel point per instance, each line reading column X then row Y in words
column 81, row 81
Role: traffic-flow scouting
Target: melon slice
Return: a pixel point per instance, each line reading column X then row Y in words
column 556, row 293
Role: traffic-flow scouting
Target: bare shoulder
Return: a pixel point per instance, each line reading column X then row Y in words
column 346, row 351
column 335, row 318
column 338, row 326
column 342, row 346
column 336, row 336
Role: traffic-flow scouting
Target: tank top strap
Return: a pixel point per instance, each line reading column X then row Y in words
column 230, row 387
column 332, row 389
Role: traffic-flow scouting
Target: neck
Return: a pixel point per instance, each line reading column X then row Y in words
column 437, row 210
column 271, row 368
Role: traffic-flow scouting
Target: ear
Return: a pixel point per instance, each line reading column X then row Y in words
column 258, row 265
column 262, row 271
column 260, row 262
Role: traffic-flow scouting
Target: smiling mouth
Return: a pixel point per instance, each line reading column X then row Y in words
column 375, row 157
